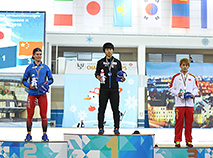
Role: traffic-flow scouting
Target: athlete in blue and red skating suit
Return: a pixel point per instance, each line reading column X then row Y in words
column 40, row 77
column 184, row 87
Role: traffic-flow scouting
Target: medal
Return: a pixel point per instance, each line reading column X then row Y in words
column 109, row 74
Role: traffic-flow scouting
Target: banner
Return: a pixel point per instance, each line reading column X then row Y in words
column 206, row 14
column 122, row 13
column 180, row 14
column 81, row 101
column 63, row 12
column 93, row 12
column 20, row 33
column 152, row 13
column 161, row 102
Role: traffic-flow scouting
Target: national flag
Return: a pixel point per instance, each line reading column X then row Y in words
column 63, row 12
column 5, row 36
column 152, row 13
column 206, row 13
column 26, row 48
column 93, row 12
column 180, row 14
column 122, row 13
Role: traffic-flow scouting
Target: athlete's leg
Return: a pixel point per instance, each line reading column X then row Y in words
column 114, row 100
column 30, row 111
column 42, row 102
column 188, row 123
column 179, row 118
column 103, row 98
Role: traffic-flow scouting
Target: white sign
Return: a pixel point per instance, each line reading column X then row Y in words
column 89, row 67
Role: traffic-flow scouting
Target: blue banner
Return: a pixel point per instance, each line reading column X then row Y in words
column 81, row 101
column 122, row 13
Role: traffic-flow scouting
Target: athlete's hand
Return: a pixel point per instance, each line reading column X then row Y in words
column 123, row 79
column 98, row 77
column 32, row 87
column 179, row 94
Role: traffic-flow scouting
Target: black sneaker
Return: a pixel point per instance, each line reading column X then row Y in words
column 189, row 144
column 116, row 131
column 101, row 131
column 177, row 144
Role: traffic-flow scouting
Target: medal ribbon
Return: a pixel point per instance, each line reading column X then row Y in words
column 184, row 80
column 38, row 70
column 109, row 65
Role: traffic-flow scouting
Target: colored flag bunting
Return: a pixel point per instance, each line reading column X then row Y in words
column 122, row 13
column 93, row 12
column 180, row 14
column 26, row 48
column 152, row 13
column 63, row 12
column 206, row 13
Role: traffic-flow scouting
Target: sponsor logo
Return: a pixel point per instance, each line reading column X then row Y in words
column 80, row 66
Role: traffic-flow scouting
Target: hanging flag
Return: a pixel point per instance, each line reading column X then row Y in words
column 180, row 14
column 93, row 12
column 152, row 13
column 122, row 13
column 206, row 13
column 63, row 12
column 26, row 48
column 5, row 36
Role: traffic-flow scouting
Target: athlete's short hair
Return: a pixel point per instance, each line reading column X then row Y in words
column 108, row 45
column 185, row 60
column 36, row 50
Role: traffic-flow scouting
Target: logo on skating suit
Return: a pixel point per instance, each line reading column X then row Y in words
column 80, row 66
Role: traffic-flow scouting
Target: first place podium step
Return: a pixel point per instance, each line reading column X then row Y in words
column 109, row 146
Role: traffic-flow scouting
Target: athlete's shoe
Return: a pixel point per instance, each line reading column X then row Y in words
column 189, row 144
column 45, row 138
column 101, row 131
column 116, row 131
column 28, row 138
column 177, row 144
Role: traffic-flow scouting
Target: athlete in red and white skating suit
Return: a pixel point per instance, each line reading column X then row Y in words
column 183, row 83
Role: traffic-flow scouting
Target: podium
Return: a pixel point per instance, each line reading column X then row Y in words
column 33, row 149
column 196, row 152
column 105, row 146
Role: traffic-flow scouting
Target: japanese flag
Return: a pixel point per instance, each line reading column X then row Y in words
column 5, row 35
column 93, row 12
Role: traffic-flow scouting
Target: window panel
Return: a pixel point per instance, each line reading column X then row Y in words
column 155, row 57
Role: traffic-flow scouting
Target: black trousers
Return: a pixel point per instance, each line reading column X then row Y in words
column 113, row 96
